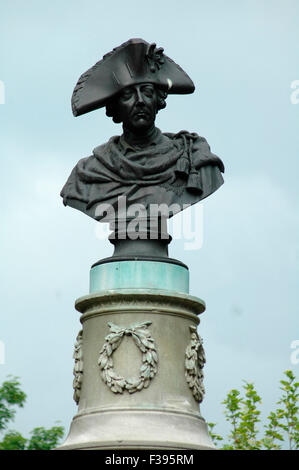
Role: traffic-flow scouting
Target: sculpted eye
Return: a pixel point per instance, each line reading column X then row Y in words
column 148, row 91
column 126, row 94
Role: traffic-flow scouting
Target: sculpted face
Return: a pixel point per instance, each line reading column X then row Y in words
column 137, row 107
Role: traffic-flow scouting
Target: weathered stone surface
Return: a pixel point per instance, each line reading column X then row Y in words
column 164, row 414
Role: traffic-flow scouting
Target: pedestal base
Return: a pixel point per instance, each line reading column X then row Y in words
column 138, row 429
column 138, row 372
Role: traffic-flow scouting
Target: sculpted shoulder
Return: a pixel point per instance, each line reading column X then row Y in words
column 100, row 149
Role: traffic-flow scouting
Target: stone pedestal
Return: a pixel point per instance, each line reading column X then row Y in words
column 138, row 360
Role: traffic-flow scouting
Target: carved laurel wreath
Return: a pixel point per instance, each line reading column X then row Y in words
column 144, row 342
column 194, row 363
column 78, row 367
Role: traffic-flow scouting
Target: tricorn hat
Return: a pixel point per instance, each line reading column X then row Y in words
column 135, row 61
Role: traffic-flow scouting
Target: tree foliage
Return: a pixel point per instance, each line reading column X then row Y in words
column 13, row 440
column 243, row 415
column 45, row 439
column 11, row 396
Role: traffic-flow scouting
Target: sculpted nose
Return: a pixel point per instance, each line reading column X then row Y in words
column 139, row 97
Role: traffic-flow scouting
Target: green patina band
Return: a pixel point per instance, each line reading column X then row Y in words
column 139, row 275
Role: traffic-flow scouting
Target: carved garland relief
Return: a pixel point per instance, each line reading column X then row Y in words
column 144, row 341
column 78, row 367
column 194, row 363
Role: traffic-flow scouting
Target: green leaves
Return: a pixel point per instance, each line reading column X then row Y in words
column 283, row 423
column 11, row 395
column 41, row 439
column 45, row 439
column 242, row 413
column 13, row 440
column 215, row 437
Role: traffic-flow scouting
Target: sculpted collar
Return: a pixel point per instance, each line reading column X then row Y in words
column 156, row 139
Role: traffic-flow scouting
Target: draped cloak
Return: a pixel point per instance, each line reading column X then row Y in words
column 146, row 175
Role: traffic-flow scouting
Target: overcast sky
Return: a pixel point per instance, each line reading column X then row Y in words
column 243, row 58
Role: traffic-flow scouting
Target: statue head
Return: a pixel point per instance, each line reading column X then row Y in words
column 136, row 106
column 134, row 63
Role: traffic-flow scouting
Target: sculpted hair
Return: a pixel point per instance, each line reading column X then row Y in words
column 111, row 106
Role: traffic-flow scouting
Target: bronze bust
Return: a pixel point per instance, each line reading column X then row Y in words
column 143, row 165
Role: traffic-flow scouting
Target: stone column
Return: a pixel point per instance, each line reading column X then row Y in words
column 138, row 360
